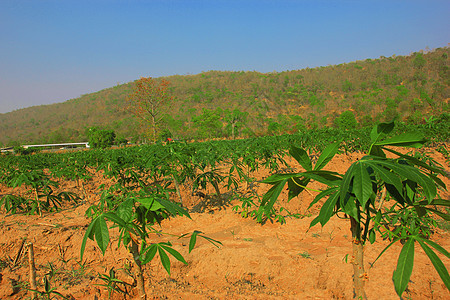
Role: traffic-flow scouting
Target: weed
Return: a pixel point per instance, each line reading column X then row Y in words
column 305, row 254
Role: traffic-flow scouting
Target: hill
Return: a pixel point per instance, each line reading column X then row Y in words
column 224, row 103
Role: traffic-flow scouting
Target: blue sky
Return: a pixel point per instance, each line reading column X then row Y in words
column 55, row 50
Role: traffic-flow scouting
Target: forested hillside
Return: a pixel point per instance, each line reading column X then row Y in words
column 242, row 104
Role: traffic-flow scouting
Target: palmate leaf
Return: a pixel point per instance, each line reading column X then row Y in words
column 193, row 239
column 150, row 253
column 162, row 249
column 404, row 267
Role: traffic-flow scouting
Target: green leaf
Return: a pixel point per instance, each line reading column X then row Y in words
column 436, row 246
column 346, row 182
column 437, row 263
column 444, row 216
column 404, row 268
column 150, row 253
column 377, row 151
column 362, row 184
column 296, row 185
column 301, row 157
column 271, row 196
column 372, row 236
column 115, row 218
column 349, row 206
column 327, row 210
column 412, row 139
column 125, row 209
column 326, row 177
column 323, row 194
column 101, row 234
column 174, row 253
column 150, row 203
column 173, row 208
column 384, row 250
column 380, row 130
column 328, row 153
column 193, row 240
column 164, row 258
column 385, row 175
column 88, row 234
column 417, row 162
column 276, row 178
column 414, row 175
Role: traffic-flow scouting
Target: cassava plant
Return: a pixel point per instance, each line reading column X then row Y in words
column 135, row 217
column 360, row 196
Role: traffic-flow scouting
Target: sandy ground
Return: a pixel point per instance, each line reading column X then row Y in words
column 270, row 261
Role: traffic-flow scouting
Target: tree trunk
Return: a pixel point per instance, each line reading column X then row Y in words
column 359, row 275
column 154, row 128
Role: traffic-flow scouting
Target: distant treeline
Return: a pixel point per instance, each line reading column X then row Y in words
column 413, row 89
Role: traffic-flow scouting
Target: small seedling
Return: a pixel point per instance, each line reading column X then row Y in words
column 112, row 284
column 305, row 254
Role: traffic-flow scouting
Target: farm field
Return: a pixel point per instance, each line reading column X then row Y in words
column 270, row 261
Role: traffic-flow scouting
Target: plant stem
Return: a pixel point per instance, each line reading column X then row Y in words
column 358, row 261
column 139, row 275
column 32, row 270
column 177, row 187
column 37, row 201
column 219, row 195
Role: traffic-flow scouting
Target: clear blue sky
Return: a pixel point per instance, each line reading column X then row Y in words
column 52, row 51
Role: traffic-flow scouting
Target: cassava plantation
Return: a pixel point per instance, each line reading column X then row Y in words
column 324, row 183
column 213, row 220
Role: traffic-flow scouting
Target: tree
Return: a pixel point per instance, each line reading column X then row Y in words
column 100, row 138
column 149, row 101
column 208, row 124
column 346, row 121
column 236, row 120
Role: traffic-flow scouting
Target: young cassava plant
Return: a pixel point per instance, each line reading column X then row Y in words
column 360, row 195
column 135, row 217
